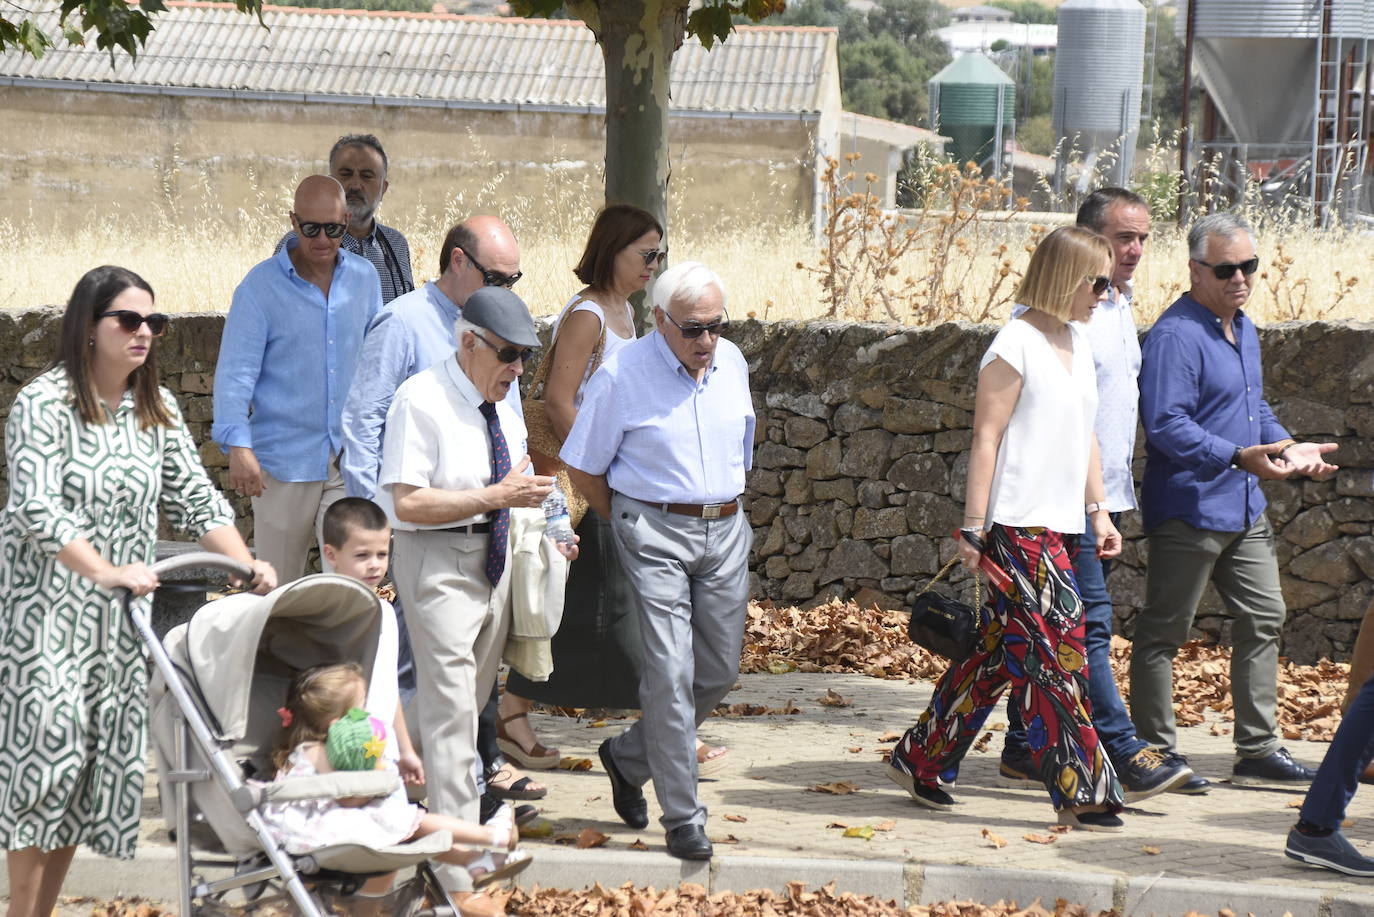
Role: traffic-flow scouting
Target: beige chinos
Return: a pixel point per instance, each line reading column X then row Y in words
column 458, row 626
column 1244, row 569
column 287, row 514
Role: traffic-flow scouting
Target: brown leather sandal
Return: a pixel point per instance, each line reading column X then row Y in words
column 537, row 758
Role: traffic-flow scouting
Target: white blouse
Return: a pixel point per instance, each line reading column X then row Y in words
column 613, row 341
column 1042, row 462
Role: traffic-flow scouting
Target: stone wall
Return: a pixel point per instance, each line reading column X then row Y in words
column 862, row 454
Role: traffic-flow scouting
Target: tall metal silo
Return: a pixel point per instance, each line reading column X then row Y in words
column 972, row 102
column 1098, row 69
column 1287, row 78
column 1257, row 59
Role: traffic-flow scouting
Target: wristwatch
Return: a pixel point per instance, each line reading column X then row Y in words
column 1235, row 458
column 1095, row 507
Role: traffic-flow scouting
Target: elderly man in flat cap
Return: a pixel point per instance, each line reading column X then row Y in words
column 454, row 463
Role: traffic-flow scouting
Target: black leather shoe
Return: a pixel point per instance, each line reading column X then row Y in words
column 627, row 798
column 689, row 842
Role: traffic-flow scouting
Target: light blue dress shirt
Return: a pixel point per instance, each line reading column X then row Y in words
column 660, row 436
column 412, row 333
column 286, row 362
column 1116, row 356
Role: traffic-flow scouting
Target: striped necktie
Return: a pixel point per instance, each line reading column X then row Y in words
column 500, row 519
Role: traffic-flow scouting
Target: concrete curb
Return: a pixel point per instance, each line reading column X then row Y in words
column 153, row 875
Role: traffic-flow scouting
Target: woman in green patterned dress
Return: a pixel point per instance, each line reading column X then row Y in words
column 95, row 449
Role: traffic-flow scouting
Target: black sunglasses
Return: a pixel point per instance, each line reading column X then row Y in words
column 131, row 321
column 1227, row 271
column 655, row 254
column 494, row 278
column 695, row 330
column 507, row 354
column 332, row 230
column 1099, row 283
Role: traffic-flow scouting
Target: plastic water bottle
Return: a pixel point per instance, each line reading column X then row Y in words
column 557, row 524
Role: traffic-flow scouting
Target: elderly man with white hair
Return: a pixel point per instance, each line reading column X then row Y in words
column 660, row 447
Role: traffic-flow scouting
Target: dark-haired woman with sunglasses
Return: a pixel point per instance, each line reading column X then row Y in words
column 1033, row 466
column 596, row 651
column 95, row 449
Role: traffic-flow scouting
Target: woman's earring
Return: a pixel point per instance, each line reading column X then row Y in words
column 90, row 342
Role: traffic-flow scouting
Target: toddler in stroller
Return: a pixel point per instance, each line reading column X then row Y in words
column 317, row 737
column 219, row 681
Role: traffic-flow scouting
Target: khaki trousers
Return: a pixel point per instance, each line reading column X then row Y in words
column 458, row 625
column 1245, row 571
column 285, row 517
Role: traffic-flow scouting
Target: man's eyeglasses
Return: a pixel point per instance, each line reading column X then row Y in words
column 1227, row 271
column 1099, row 283
column 507, row 354
column 493, row 278
column 693, row 330
column 131, row 321
column 332, row 230
column 655, row 254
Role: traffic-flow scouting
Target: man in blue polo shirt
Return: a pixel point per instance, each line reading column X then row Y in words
column 286, row 360
column 1210, row 439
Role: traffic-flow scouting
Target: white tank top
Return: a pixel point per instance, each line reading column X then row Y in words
column 613, row 341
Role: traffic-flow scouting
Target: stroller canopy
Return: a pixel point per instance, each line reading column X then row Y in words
column 231, row 643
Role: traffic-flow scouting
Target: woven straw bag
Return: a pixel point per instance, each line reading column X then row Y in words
column 543, row 441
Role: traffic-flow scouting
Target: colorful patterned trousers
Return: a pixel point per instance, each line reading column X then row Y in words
column 1032, row 638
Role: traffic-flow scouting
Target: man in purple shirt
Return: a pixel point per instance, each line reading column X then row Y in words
column 1210, row 439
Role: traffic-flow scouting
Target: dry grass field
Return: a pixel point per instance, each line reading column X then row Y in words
column 961, row 262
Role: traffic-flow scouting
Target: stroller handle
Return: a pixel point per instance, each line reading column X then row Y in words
column 197, row 560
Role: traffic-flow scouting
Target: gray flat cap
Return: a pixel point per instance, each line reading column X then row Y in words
column 500, row 311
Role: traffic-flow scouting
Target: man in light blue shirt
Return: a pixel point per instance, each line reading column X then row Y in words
column 286, row 359
column 1123, row 217
column 414, row 332
column 660, row 446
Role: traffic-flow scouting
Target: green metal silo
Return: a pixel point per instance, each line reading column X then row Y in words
column 971, row 102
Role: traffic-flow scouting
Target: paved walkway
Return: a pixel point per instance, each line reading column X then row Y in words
column 1232, row 834
column 1177, row 853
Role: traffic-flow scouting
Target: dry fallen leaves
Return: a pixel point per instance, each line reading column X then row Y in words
column 1151, row 850
column 584, row 839
column 839, row 788
column 842, row 637
column 736, row 818
column 575, row 764
column 834, row 699
column 863, row 831
column 1040, row 838
column 993, row 839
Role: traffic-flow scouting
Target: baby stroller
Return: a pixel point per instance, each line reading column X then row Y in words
column 213, row 696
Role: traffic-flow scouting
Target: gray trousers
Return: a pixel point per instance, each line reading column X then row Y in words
column 458, row 626
column 1245, row 571
column 691, row 578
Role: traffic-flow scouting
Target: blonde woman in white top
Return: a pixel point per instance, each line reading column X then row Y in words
column 1033, row 466
column 596, row 651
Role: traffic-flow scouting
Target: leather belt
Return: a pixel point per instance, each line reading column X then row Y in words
column 476, row 528
column 701, row 510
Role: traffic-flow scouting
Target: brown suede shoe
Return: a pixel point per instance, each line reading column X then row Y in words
column 1368, row 775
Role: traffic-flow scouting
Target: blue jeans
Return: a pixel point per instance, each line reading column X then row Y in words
column 1113, row 724
column 1351, row 750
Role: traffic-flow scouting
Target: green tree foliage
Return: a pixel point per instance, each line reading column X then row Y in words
column 1028, row 11
column 886, row 56
column 114, row 24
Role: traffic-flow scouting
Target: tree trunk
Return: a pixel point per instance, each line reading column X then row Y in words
column 637, row 40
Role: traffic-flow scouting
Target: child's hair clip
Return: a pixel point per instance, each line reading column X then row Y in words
column 286, row 717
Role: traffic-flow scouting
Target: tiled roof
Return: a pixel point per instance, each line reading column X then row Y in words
column 424, row 58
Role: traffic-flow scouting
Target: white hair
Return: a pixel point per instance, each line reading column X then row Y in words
column 686, row 283
column 461, row 325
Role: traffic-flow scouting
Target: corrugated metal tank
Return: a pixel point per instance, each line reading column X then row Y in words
column 1258, row 60
column 964, row 99
column 1098, row 69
